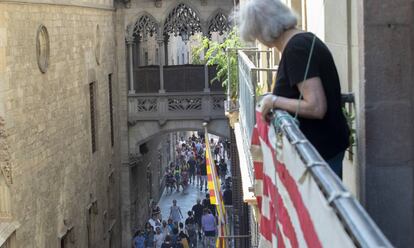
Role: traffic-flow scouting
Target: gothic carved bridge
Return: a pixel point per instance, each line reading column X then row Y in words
column 188, row 100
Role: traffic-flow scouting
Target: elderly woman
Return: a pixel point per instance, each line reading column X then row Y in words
column 307, row 77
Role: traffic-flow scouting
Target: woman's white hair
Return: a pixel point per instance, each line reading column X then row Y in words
column 265, row 20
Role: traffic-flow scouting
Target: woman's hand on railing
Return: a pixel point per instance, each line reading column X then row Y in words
column 266, row 107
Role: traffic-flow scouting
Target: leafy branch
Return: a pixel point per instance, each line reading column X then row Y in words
column 215, row 54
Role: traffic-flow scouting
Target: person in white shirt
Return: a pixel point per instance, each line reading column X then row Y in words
column 165, row 228
column 159, row 237
column 154, row 222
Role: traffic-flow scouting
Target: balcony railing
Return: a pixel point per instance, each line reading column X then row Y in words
column 249, row 78
column 176, row 78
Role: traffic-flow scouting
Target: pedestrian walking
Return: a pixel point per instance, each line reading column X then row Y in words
column 223, row 170
column 208, row 224
column 138, row 240
column 175, row 212
column 198, row 213
column 191, row 228
column 168, row 243
column 203, row 172
column 177, row 176
column 191, row 169
column 165, row 229
column 149, row 235
column 207, row 204
column 198, row 172
column 155, row 210
column 159, row 237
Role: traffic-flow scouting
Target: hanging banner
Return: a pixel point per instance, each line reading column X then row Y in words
column 294, row 211
column 213, row 185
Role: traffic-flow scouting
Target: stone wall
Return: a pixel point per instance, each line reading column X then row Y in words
column 145, row 179
column 386, row 144
column 56, row 176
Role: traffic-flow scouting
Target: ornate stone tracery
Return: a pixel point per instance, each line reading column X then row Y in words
column 146, row 25
column 184, row 104
column 182, row 21
column 147, row 105
column 219, row 23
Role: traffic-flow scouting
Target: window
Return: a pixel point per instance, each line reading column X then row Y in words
column 91, row 218
column 92, row 113
column 111, row 109
column 64, row 242
column 156, row 56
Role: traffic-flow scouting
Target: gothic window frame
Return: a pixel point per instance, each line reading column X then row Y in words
column 145, row 26
column 218, row 22
column 182, row 19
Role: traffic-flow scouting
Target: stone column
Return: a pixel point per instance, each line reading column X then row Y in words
column 206, row 79
column 161, row 63
column 130, row 43
column 166, row 38
column 385, row 116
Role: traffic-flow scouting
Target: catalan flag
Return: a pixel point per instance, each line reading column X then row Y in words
column 216, row 198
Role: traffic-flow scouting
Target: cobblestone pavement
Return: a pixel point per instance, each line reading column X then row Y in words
column 184, row 200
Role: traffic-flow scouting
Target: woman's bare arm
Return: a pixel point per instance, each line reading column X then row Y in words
column 313, row 104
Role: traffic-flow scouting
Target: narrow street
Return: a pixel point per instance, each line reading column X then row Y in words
column 184, row 200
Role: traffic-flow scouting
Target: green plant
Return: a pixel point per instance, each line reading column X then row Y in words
column 224, row 56
column 350, row 119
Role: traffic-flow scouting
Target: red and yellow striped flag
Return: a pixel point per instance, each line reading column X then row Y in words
column 213, row 184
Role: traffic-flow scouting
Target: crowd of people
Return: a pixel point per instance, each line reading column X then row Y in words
column 190, row 164
column 200, row 223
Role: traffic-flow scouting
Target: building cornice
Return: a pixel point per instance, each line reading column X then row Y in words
column 62, row 3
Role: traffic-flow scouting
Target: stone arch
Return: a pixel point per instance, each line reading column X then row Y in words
column 144, row 25
column 141, row 132
column 218, row 22
column 182, row 18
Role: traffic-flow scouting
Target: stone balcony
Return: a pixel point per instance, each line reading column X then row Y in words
column 180, row 92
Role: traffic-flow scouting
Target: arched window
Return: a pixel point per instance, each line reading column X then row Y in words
column 146, row 25
column 218, row 23
column 182, row 21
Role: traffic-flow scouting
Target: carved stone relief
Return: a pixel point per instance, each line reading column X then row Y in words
column 184, row 104
column 218, row 103
column 147, row 105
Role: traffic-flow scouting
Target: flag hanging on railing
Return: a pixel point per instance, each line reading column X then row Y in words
column 213, row 184
column 293, row 210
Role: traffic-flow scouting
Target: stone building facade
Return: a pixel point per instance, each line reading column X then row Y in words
column 64, row 134
column 58, row 107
